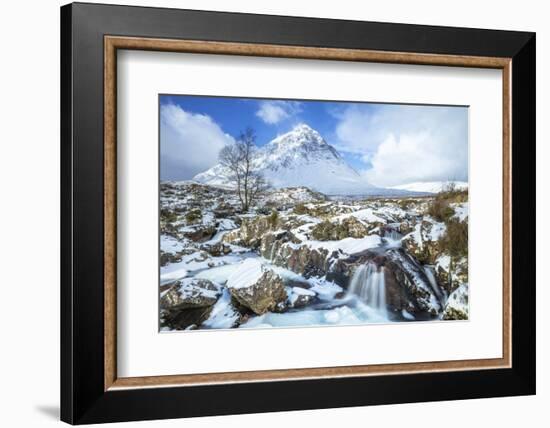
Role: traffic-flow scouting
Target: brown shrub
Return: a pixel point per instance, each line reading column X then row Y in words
column 455, row 240
column 452, row 194
column 193, row 216
column 300, row 209
column 440, row 209
column 168, row 216
column 274, row 219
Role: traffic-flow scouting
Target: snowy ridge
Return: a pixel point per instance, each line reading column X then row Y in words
column 432, row 186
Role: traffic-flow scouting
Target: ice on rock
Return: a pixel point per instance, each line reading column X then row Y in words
column 223, row 313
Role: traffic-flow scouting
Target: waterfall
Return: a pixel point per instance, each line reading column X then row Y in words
column 392, row 237
column 272, row 252
column 369, row 284
column 441, row 295
column 393, row 234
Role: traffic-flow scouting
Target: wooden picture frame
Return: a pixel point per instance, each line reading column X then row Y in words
column 91, row 390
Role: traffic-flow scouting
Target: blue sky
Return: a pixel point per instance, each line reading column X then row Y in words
column 390, row 144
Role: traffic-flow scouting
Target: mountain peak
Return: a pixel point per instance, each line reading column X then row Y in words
column 299, row 136
column 306, row 130
column 301, row 157
column 303, row 127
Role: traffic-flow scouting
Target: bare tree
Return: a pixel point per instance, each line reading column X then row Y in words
column 238, row 157
column 257, row 185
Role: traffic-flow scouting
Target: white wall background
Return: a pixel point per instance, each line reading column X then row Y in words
column 29, row 215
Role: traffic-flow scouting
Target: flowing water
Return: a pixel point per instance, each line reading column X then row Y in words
column 369, row 285
column 392, row 238
column 393, row 235
column 441, row 295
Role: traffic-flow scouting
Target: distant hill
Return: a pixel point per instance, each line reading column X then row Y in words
column 431, row 186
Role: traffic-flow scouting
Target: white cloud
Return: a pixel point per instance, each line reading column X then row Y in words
column 273, row 112
column 405, row 144
column 189, row 143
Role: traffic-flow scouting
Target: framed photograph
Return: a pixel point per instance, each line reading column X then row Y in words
column 277, row 213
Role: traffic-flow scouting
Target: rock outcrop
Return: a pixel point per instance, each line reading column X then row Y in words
column 250, row 232
column 335, row 230
column 411, row 277
column 423, row 241
column 451, row 272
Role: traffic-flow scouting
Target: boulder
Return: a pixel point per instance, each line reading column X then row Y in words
column 457, row 307
column 190, row 293
column 298, row 297
column 188, row 303
column 217, row 249
column 266, row 294
column 188, row 319
column 258, row 289
column 167, row 258
column 199, row 233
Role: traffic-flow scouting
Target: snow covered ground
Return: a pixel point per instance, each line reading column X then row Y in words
column 290, row 260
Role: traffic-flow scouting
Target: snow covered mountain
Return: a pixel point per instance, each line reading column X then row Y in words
column 432, row 186
column 300, row 157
